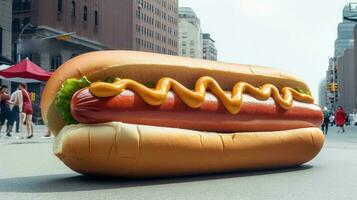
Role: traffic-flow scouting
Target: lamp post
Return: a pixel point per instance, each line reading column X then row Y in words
column 18, row 44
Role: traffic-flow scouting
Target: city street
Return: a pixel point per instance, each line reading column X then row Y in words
column 29, row 170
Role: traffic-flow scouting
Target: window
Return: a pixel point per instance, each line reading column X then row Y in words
column 59, row 6
column 96, row 18
column 56, row 61
column 18, row 5
column 192, row 43
column 16, row 25
column 73, row 9
column 85, row 13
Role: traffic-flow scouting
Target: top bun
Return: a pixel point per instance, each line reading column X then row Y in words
column 147, row 67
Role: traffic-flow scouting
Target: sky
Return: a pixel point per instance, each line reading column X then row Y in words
column 294, row 35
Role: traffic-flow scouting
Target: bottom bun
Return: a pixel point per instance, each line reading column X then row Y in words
column 129, row 150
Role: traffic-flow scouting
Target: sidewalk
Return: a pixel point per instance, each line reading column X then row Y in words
column 39, row 131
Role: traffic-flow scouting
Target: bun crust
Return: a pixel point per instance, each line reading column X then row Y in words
column 150, row 67
column 127, row 150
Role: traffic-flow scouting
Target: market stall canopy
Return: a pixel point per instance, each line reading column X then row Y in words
column 25, row 71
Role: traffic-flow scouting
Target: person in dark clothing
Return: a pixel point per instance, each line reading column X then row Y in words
column 5, row 112
column 325, row 124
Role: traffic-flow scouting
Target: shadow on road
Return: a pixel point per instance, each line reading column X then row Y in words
column 75, row 182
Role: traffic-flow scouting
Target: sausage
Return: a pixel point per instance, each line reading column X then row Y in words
column 255, row 115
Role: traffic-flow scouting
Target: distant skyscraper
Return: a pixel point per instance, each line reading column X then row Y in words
column 190, row 34
column 345, row 30
column 209, row 49
column 322, row 93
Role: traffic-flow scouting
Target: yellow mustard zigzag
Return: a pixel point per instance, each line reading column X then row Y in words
column 194, row 99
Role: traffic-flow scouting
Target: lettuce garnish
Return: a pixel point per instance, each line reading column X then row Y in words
column 64, row 96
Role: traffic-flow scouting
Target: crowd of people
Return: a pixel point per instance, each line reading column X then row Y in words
column 16, row 109
column 340, row 119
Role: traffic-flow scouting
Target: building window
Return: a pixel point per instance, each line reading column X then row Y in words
column 59, row 6
column 16, row 25
column 73, row 9
column 192, row 43
column 96, row 18
column 56, row 61
column 18, row 5
column 85, row 13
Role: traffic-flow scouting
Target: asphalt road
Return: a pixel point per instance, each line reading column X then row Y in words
column 29, row 170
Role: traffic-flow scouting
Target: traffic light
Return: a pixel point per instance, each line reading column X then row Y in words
column 332, row 87
column 336, row 86
column 64, row 37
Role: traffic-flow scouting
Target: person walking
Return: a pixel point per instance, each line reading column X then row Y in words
column 15, row 110
column 325, row 124
column 5, row 109
column 340, row 119
column 332, row 119
column 25, row 107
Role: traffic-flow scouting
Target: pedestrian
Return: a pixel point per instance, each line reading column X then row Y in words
column 26, row 111
column 326, row 121
column 340, row 119
column 15, row 110
column 332, row 119
column 5, row 109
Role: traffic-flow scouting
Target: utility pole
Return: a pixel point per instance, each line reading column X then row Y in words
column 18, row 44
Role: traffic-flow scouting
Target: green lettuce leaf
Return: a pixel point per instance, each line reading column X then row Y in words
column 64, row 95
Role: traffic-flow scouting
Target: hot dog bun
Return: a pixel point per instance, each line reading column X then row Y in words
column 119, row 149
column 149, row 67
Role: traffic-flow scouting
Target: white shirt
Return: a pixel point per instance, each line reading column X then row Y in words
column 16, row 98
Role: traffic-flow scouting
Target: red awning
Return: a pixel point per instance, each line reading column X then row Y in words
column 26, row 69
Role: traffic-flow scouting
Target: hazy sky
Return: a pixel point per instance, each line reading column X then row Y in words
column 295, row 35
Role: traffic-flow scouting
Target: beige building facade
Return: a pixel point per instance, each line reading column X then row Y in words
column 190, row 34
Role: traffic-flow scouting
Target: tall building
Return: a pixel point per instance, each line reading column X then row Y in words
column 209, row 50
column 190, row 34
column 345, row 38
column 322, row 93
column 331, row 79
column 346, row 73
column 145, row 25
column 5, row 31
column 5, row 35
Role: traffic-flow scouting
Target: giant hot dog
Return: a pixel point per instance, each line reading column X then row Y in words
column 206, row 117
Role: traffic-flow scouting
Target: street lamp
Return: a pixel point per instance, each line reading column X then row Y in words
column 18, row 44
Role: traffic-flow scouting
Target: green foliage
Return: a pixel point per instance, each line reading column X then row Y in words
column 64, row 96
